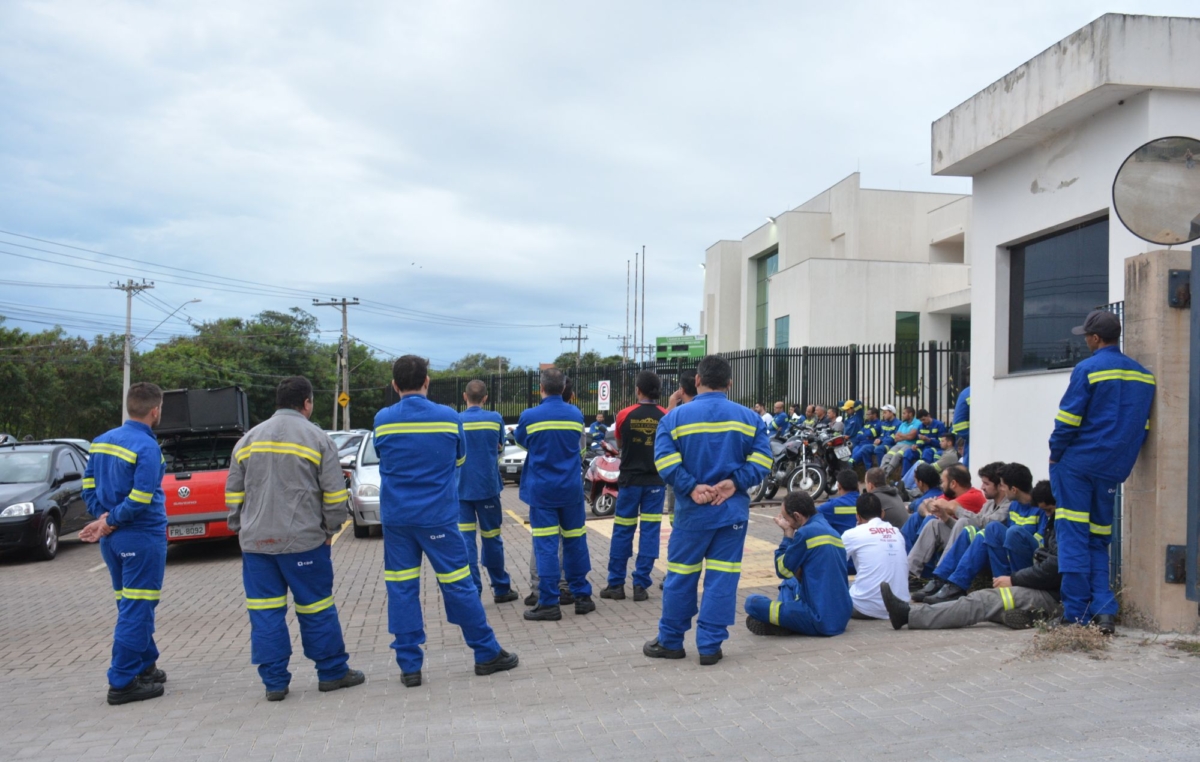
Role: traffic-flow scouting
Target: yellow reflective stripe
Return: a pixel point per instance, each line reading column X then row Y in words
column 971, row 532
column 103, row 448
column 131, row 593
column 279, row 448
column 1117, row 374
column 960, row 427
column 481, row 426
column 422, row 427
column 1006, row 597
column 490, row 533
column 117, row 594
column 546, row 531
column 258, row 604
column 1023, row 521
column 1147, row 424
column 622, row 521
column 1069, row 418
column 783, row 570
column 401, row 575
column 732, row 567
column 762, row 460
column 454, row 576
column 235, row 498
column 823, row 539
column 844, row 510
column 336, row 497
column 534, row 428
column 713, row 427
column 667, row 461
column 138, row 496
column 574, row 532
column 1099, row 528
column 651, row 517
column 467, row 527
column 89, row 483
column 774, row 615
column 1082, row 517
column 684, row 568
column 314, row 608
column 459, row 463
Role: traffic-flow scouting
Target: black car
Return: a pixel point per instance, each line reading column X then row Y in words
column 41, row 495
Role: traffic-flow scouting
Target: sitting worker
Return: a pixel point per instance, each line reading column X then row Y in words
column 905, row 437
column 929, row 487
column 946, row 456
column 1017, row 601
column 780, row 425
column 810, row 416
column 819, row 420
column 957, row 496
column 862, row 443
column 795, row 417
column 597, row 432
column 814, row 598
column 839, row 510
column 925, row 446
column 852, row 418
column 895, row 512
column 876, row 550
column 889, row 426
column 831, row 418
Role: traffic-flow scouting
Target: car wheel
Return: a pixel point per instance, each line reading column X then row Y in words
column 47, row 547
column 361, row 531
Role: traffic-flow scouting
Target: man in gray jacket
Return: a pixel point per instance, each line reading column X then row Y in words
column 287, row 498
column 895, row 511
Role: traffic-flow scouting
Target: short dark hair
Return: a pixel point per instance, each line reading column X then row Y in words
column 868, row 506
column 1018, row 476
column 959, row 474
column 874, row 410
column 476, row 391
column 992, row 471
column 876, row 477
column 908, row 409
column 687, row 382
column 409, row 372
column 552, row 381
column 847, row 480
column 1042, row 494
column 142, row 398
column 922, row 413
column 800, row 502
column 927, row 475
column 649, row 384
column 714, row 372
column 568, row 390
column 292, row 393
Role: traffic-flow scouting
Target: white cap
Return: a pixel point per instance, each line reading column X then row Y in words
column 891, row 409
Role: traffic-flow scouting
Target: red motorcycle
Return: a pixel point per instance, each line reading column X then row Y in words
column 600, row 479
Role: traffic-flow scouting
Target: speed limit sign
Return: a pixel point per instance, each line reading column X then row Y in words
column 604, row 395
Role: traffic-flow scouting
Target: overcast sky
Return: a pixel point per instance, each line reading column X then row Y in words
column 493, row 164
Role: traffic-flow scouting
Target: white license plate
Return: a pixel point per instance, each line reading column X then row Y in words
column 510, row 469
column 186, row 530
column 842, row 452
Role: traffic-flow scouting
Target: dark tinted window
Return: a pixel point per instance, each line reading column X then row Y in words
column 17, row 467
column 204, row 453
column 1056, row 282
column 64, row 464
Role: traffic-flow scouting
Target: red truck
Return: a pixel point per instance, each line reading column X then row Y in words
column 197, row 432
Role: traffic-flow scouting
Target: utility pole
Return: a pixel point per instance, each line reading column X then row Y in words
column 625, row 338
column 343, row 358
column 578, row 338
column 130, row 288
column 634, row 342
column 643, row 339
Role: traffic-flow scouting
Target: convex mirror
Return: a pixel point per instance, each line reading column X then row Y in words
column 1156, row 193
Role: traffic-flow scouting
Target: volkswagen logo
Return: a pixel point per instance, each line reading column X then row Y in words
column 184, row 493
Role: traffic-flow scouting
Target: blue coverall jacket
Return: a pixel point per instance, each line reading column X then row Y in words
column 479, row 478
column 550, row 433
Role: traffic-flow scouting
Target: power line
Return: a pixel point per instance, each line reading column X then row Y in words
column 343, row 357
column 578, row 338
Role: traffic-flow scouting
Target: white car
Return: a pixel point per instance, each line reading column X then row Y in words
column 511, row 462
column 362, row 479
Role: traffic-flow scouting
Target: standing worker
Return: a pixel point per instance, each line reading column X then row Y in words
column 1100, row 427
column 287, row 499
column 479, row 488
column 640, row 494
column 711, row 451
column 122, row 487
column 962, row 418
column 552, row 487
column 421, row 448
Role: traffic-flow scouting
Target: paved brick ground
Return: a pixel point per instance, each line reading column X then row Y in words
column 583, row 690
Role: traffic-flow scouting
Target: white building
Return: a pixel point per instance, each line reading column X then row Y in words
column 776, row 286
column 1043, row 144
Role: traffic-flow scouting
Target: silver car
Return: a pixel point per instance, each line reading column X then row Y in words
column 362, row 479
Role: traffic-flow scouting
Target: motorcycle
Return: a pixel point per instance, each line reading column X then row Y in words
column 600, row 479
column 830, row 454
column 785, row 453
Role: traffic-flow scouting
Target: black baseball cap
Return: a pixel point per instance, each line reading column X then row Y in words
column 1102, row 323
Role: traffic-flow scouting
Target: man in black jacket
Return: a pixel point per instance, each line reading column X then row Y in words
column 1018, row 601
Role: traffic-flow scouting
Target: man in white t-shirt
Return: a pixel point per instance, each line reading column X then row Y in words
column 877, row 550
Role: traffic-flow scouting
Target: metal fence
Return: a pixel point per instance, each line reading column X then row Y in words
column 924, row 375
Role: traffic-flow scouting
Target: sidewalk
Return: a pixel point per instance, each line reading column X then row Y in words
column 583, row 690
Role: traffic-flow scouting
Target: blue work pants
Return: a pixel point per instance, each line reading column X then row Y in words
column 484, row 517
column 137, row 561
column 631, row 502
column 1010, row 548
column 955, row 553
column 548, row 525
column 718, row 552
column 865, row 454
column 1083, row 528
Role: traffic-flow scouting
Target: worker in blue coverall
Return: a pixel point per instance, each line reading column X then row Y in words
column 479, row 488
column 1099, row 429
column 814, row 598
column 597, row 431
column 961, row 428
column 781, row 422
column 925, row 447
column 929, row 487
column 889, row 426
column 863, row 441
column 421, row 448
column 711, row 451
column 122, row 487
column 839, row 510
column 552, row 487
column 852, row 418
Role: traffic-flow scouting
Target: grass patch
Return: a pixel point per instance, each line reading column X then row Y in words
column 1072, row 638
column 1190, row 647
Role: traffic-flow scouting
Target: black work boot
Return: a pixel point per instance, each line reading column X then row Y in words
column 584, row 604
column 508, row 597
column 1017, row 619
column 138, row 690
column 930, row 589
column 153, row 674
column 278, row 695
column 565, row 596
column 656, row 650
column 640, row 594
column 759, row 627
column 949, row 592
column 1107, row 624
column 531, row 599
column 411, row 679
column 897, row 609
column 544, row 614
column 613, row 593
column 707, row 660
column 352, row 678
column 503, row 661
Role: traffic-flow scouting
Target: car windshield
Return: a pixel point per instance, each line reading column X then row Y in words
column 205, row 453
column 338, row 437
column 370, row 457
column 24, row 467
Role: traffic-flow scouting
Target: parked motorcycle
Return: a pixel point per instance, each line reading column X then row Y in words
column 600, row 479
column 785, row 454
column 828, row 453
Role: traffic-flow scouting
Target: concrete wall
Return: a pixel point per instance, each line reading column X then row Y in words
column 722, row 287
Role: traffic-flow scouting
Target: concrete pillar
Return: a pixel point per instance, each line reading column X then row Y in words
column 1154, row 513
